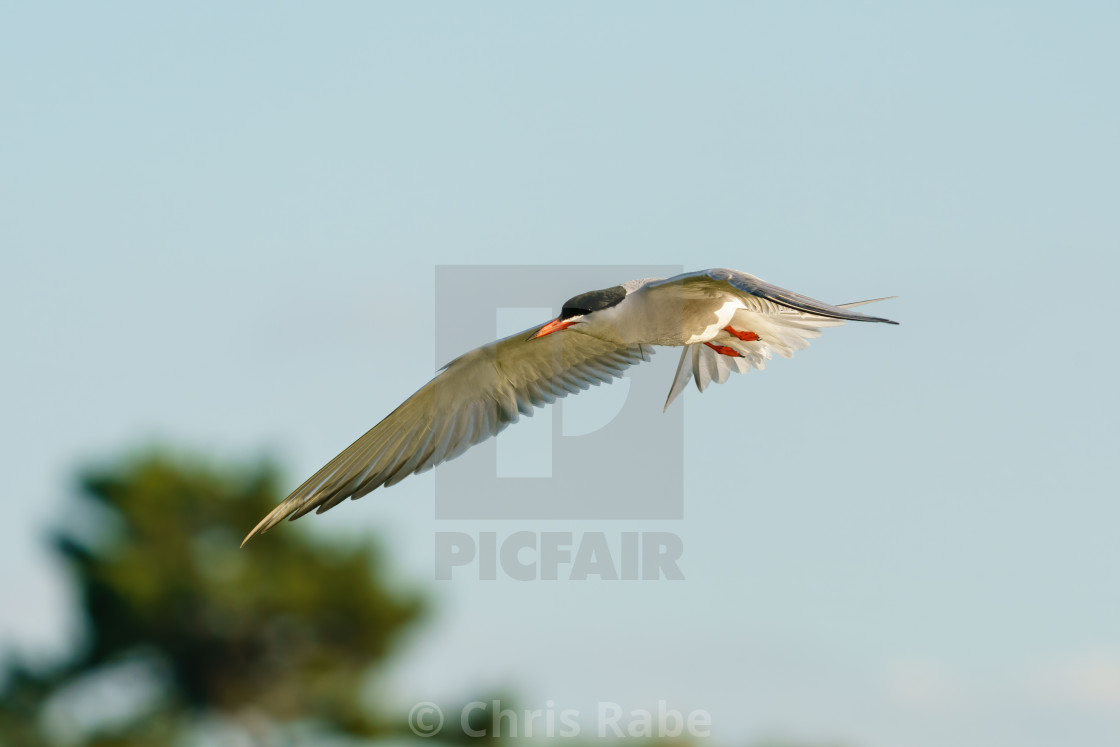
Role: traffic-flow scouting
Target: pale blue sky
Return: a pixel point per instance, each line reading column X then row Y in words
column 215, row 220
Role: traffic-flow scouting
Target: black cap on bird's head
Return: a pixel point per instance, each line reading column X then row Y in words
column 577, row 307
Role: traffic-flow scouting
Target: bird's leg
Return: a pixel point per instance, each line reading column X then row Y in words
column 724, row 350
column 745, row 336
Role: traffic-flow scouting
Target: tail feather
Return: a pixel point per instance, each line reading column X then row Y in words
column 682, row 377
column 863, row 303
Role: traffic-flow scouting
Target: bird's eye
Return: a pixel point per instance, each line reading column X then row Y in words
column 568, row 312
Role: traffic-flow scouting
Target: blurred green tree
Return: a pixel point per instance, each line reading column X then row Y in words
column 184, row 628
column 192, row 641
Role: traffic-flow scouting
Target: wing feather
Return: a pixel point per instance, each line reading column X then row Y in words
column 759, row 295
column 473, row 398
column 785, row 320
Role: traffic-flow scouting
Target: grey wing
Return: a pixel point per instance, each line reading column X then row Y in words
column 789, row 319
column 475, row 397
column 758, row 292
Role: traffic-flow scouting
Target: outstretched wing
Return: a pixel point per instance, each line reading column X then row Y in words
column 785, row 321
column 758, row 295
column 473, row 398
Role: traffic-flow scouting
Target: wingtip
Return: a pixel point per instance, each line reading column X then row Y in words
column 263, row 525
column 864, row 303
column 252, row 534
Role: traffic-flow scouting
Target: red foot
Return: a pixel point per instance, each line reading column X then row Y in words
column 745, row 336
column 724, row 350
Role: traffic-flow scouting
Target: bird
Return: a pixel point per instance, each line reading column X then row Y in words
column 724, row 320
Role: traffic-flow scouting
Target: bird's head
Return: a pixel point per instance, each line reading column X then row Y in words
column 585, row 309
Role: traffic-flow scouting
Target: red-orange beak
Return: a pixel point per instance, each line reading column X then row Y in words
column 554, row 326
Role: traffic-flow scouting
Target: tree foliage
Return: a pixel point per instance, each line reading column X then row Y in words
column 274, row 642
column 281, row 631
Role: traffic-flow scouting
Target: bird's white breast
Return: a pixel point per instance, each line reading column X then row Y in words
column 708, row 322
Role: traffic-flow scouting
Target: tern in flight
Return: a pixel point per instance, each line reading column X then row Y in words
column 724, row 320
